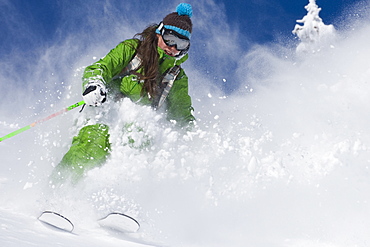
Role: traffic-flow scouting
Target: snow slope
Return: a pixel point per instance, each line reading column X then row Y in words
column 24, row 230
column 282, row 161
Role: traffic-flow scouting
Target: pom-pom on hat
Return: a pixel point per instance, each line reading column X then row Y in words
column 180, row 21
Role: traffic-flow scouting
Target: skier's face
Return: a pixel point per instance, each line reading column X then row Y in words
column 169, row 50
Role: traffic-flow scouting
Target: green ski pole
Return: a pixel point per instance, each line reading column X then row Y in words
column 42, row 120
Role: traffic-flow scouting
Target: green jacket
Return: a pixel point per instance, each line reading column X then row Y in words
column 85, row 154
column 178, row 101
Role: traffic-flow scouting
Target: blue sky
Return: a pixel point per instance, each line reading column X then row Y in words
column 223, row 30
column 262, row 20
column 258, row 20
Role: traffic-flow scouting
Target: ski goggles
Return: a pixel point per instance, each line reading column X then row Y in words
column 173, row 39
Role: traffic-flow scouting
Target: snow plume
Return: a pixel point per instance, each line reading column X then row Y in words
column 282, row 162
column 313, row 33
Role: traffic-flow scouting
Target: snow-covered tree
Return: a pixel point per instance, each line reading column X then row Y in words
column 314, row 34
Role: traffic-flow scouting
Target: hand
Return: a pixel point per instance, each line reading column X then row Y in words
column 95, row 93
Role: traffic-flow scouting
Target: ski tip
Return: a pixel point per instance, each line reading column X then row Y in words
column 120, row 222
column 56, row 220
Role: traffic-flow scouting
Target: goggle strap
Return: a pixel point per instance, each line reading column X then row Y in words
column 160, row 28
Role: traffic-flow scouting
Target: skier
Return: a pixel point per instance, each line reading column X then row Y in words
column 145, row 69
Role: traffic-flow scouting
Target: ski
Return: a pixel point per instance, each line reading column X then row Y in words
column 120, row 222
column 115, row 221
column 56, row 221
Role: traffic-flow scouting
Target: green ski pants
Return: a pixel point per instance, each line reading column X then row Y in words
column 90, row 149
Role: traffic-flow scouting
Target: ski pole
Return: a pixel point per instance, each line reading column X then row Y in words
column 42, row 120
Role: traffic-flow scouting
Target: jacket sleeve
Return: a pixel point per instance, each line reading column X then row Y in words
column 179, row 106
column 112, row 64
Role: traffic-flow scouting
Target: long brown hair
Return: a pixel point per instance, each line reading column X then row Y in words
column 147, row 51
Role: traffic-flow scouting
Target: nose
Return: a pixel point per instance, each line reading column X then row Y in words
column 173, row 48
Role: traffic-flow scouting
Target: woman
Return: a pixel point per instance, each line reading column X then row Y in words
column 145, row 69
